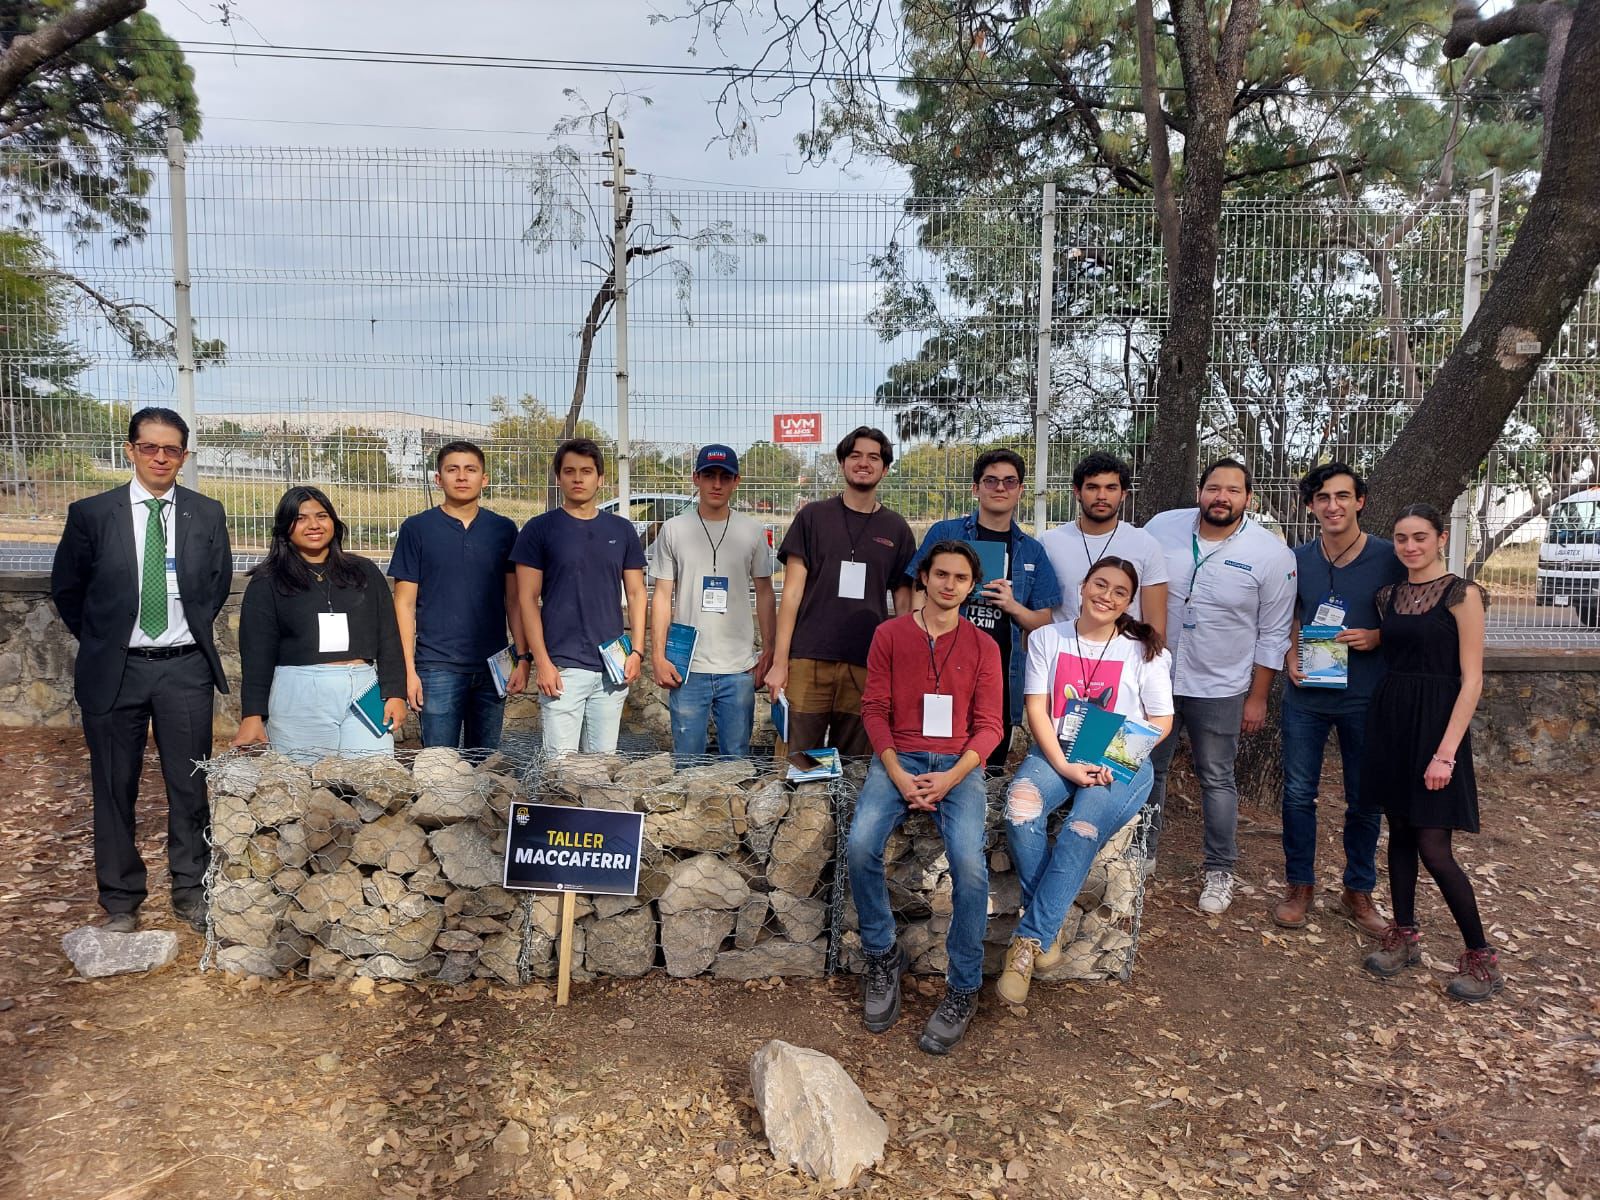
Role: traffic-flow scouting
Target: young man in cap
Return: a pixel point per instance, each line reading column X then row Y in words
column 932, row 712
column 1020, row 599
column 706, row 563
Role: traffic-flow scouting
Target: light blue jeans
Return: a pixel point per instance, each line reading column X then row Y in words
column 309, row 717
column 1052, row 876
column 730, row 698
column 585, row 717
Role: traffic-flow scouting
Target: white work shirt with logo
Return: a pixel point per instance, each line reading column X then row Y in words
column 1242, row 601
column 177, row 631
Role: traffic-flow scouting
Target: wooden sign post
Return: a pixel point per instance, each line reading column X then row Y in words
column 556, row 848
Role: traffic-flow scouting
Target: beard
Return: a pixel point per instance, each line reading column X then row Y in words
column 1210, row 518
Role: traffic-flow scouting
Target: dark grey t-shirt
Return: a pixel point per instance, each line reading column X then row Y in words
column 1356, row 583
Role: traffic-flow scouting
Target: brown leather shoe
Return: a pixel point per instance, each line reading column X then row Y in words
column 1291, row 910
column 1361, row 912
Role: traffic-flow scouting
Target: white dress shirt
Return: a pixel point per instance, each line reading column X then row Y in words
column 1229, row 603
column 177, row 630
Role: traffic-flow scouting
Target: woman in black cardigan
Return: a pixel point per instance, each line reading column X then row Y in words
column 316, row 632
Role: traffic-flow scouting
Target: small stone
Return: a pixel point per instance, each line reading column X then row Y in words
column 623, row 945
column 457, row 941
column 499, row 956
column 752, row 921
column 814, row 1115
column 512, row 1139
column 97, row 954
column 764, row 808
column 391, row 842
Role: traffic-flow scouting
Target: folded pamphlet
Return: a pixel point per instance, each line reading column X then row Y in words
column 1324, row 662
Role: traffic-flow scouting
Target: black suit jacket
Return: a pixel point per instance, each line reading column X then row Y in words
column 95, row 584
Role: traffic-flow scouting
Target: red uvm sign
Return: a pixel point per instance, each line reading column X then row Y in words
column 796, row 427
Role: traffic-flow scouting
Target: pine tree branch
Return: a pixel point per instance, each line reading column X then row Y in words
column 30, row 51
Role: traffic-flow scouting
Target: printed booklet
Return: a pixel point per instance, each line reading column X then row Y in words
column 1090, row 734
column 806, row 766
column 368, row 708
column 614, row 658
column 1324, row 662
column 679, row 650
column 501, row 664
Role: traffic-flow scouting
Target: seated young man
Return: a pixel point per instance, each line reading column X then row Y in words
column 932, row 711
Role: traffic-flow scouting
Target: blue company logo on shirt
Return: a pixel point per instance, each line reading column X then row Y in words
column 1228, row 562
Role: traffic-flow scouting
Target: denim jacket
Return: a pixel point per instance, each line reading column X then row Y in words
column 1033, row 583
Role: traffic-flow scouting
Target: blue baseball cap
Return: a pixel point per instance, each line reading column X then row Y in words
column 716, row 458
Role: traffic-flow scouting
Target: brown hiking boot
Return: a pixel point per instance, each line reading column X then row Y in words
column 1018, row 973
column 1292, row 909
column 1400, row 950
column 1478, row 976
column 1361, row 912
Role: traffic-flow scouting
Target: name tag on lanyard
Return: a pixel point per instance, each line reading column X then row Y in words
column 172, row 577
column 1330, row 612
column 714, row 593
column 852, row 580
column 333, row 633
column 938, row 715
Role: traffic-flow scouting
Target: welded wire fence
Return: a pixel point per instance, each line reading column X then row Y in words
column 356, row 309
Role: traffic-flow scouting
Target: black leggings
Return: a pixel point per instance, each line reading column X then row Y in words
column 1408, row 845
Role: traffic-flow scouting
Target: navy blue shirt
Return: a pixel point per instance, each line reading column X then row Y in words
column 583, row 562
column 460, row 573
column 1356, row 583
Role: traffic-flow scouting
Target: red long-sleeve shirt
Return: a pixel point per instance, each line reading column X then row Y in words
column 900, row 672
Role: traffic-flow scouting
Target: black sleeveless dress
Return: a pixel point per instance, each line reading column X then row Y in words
column 1411, row 708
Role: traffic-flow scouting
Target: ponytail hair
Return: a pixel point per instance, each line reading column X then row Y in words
column 1127, row 625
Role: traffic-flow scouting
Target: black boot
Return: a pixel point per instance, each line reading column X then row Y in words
column 880, row 988
column 949, row 1022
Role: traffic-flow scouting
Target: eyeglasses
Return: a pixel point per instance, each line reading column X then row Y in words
column 994, row 483
column 156, row 450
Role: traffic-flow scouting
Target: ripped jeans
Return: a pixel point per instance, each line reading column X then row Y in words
column 1052, row 876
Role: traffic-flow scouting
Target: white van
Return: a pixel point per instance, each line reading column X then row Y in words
column 1569, row 557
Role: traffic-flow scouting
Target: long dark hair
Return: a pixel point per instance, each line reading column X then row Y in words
column 1139, row 631
column 283, row 564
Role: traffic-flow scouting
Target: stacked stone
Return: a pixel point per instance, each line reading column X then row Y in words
column 359, row 866
column 734, row 877
column 1097, row 935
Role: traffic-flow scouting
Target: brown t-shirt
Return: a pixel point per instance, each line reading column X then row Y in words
column 824, row 535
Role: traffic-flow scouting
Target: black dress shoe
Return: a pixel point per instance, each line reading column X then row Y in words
column 120, row 922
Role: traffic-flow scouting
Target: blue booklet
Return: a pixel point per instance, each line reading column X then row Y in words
column 780, row 716
column 679, row 650
column 1324, row 662
column 368, row 708
column 614, row 658
column 501, row 664
column 1091, row 734
column 992, row 558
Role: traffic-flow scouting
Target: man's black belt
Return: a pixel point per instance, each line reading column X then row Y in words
column 159, row 652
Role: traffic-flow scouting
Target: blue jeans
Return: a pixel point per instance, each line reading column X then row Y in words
column 1305, row 736
column 731, row 698
column 460, row 709
column 880, row 810
column 586, row 716
column 1051, row 876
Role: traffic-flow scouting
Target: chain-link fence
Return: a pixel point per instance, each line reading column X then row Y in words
column 356, row 309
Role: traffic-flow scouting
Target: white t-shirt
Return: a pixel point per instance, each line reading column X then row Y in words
column 1073, row 554
column 1064, row 667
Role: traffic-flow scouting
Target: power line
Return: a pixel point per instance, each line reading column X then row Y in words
column 541, row 133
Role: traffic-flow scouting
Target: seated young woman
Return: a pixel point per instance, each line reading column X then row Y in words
column 316, row 631
column 1111, row 661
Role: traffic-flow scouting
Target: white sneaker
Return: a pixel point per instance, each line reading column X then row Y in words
column 1217, row 893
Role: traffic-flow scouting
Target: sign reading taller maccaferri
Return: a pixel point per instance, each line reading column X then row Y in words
column 797, row 427
column 552, row 848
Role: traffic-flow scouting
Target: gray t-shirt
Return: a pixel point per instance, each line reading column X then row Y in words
column 690, row 552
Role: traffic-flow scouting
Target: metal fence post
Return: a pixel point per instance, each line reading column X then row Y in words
column 620, row 195
column 1041, row 399
column 1471, row 293
column 182, row 326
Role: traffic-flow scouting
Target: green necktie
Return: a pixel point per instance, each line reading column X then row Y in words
column 153, row 585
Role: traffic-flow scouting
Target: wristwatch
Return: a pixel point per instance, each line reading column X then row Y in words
column 526, row 656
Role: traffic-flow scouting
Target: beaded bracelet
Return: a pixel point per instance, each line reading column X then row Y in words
column 1449, row 762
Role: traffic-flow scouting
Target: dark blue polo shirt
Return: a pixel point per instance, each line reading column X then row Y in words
column 581, row 597
column 460, row 573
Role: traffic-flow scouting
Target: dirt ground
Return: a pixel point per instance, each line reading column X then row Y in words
column 1241, row 1060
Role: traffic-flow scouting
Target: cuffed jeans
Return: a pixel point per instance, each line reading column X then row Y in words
column 1051, row 876
column 309, row 716
column 460, row 709
column 586, row 716
column 730, row 698
column 880, row 810
column 1305, row 737
column 1213, row 728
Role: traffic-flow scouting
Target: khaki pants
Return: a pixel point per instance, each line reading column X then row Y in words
column 825, row 707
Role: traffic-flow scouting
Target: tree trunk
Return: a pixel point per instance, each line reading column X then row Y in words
column 1167, row 475
column 1545, row 273
column 26, row 54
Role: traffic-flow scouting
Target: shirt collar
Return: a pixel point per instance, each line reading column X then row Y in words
column 138, row 493
column 970, row 525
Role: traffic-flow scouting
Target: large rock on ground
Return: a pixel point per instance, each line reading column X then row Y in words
column 804, row 843
column 704, row 881
column 469, row 857
column 690, row 940
column 96, row 953
column 814, row 1115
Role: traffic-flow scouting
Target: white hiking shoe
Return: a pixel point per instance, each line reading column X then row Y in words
column 1217, row 893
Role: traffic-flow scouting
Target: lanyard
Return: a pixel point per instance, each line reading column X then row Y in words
column 933, row 665
column 865, row 525
column 1334, row 562
column 1104, row 550
column 1077, row 644
column 716, row 546
column 1200, row 562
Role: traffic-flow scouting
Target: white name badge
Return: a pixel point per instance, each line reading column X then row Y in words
column 172, row 576
column 1330, row 612
column 333, row 633
column 938, row 715
column 713, row 594
column 852, row 581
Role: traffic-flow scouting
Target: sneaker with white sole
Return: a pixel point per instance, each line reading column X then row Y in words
column 1217, row 893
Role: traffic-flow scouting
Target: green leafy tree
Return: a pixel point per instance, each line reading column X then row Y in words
column 769, row 477
column 522, row 438
column 354, row 454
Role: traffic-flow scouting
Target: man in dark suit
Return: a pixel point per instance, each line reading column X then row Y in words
column 140, row 575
